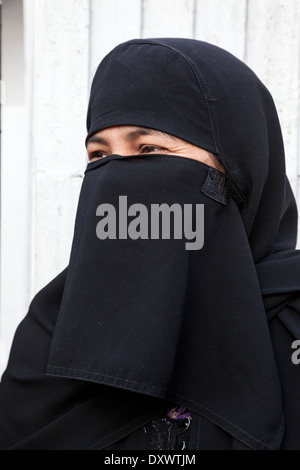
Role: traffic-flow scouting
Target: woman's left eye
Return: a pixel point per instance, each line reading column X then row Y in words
column 94, row 156
column 151, row 149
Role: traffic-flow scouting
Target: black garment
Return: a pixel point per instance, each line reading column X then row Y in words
column 135, row 325
column 161, row 433
column 152, row 309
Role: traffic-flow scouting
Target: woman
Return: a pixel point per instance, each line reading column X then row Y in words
column 146, row 340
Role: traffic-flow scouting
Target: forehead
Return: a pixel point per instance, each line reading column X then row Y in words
column 128, row 132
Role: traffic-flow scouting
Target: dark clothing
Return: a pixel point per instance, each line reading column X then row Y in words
column 182, row 435
column 39, row 412
column 137, row 324
column 161, row 433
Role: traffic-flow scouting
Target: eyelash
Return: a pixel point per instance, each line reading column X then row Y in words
column 144, row 149
column 98, row 155
column 153, row 148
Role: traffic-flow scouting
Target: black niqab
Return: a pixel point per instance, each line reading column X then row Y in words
column 147, row 319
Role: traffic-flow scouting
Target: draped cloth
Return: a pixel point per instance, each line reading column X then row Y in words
column 133, row 325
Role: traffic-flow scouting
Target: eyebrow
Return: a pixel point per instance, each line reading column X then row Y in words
column 95, row 139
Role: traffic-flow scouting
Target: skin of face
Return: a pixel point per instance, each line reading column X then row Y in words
column 136, row 140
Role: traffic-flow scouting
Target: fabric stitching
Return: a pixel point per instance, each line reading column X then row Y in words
column 234, row 426
column 215, row 418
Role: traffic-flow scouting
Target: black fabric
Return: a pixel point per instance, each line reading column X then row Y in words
column 39, row 412
column 134, row 325
column 161, row 433
column 152, row 309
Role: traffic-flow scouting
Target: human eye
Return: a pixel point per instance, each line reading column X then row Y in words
column 94, row 156
column 151, row 149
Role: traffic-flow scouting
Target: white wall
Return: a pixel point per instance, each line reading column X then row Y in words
column 43, row 129
column 15, row 178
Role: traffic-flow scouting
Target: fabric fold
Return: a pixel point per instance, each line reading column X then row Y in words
column 153, row 323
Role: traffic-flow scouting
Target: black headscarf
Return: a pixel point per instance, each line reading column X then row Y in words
column 150, row 318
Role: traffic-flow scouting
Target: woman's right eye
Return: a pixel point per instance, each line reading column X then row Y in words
column 94, row 156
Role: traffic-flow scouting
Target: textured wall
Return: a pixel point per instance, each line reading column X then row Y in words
column 64, row 42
